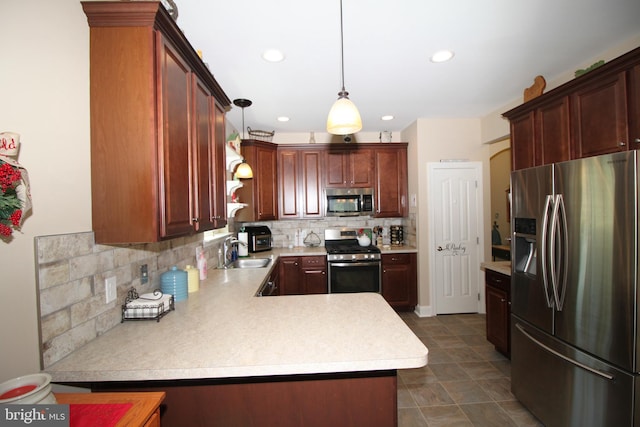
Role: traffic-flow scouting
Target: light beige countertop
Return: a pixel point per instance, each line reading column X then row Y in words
column 503, row 267
column 223, row 331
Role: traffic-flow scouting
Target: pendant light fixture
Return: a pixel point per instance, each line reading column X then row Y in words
column 344, row 118
column 243, row 170
column 242, row 103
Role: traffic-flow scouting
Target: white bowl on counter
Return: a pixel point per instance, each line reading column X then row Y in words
column 27, row 390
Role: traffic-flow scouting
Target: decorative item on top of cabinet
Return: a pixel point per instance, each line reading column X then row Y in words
column 259, row 192
column 498, row 308
column 400, row 280
column 595, row 113
column 535, row 90
column 157, row 128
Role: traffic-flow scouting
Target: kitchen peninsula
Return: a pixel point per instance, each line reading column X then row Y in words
column 226, row 357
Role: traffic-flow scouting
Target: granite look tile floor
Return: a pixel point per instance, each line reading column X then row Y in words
column 466, row 381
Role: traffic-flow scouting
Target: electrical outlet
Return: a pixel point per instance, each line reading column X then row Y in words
column 144, row 274
column 110, row 288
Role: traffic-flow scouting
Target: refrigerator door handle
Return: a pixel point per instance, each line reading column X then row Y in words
column 562, row 232
column 553, row 262
column 544, row 252
column 563, row 357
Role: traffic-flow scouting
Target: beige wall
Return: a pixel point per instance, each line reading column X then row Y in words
column 433, row 140
column 44, row 82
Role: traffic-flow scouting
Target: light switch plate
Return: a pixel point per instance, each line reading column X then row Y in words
column 110, row 288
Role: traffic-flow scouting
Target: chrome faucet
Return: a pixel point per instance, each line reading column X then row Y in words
column 228, row 244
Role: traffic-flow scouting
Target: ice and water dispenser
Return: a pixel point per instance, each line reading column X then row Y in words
column 525, row 250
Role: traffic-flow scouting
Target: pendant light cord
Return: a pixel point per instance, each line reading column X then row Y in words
column 342, row 93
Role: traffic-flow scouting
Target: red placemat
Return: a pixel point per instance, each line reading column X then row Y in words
column 97, row 414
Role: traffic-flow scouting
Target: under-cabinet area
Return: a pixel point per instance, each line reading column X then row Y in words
column 498, row 305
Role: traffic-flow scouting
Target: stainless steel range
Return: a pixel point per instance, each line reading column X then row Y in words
column 351, row 267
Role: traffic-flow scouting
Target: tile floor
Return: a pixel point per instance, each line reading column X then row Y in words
column 466, row 381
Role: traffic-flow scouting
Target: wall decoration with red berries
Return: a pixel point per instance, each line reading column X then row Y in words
column 15, row 194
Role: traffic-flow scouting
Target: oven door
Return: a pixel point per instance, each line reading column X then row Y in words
column 359, row 276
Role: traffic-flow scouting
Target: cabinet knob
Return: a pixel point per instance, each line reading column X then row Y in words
column 621, row 144
column 195, row 219
column 637, row 140
column 502, row 300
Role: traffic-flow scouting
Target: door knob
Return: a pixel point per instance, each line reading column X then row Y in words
column 439, row 248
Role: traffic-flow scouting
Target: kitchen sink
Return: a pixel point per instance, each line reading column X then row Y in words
column 250, row 263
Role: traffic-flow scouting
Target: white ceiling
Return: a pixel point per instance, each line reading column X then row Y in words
column 499, row 45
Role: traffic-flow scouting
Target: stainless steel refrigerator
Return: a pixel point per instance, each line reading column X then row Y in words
column 574, row 286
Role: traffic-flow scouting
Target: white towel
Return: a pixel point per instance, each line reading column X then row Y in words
column 147, row 306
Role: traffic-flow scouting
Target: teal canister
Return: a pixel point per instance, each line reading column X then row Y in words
column 175, row 282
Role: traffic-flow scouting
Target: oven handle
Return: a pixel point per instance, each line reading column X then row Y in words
column 354, row 264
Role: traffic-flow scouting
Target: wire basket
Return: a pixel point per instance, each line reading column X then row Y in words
column 262, row 135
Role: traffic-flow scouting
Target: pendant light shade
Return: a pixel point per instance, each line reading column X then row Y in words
column 244, row 171
column 344, row 117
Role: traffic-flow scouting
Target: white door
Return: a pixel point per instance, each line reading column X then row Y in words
column 455, row 212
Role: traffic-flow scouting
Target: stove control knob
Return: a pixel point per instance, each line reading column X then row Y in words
column 353, row 256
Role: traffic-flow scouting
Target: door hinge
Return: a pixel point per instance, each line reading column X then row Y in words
column 477, row 240
column 478, row 296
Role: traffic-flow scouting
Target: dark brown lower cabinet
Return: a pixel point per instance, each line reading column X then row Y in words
column 400, row 280
column 339, row 399
column 303, row 275
column 498, row 307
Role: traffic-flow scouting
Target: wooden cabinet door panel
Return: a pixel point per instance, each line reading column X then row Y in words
column 400, row 280
column 219, row 171
column 391, row 183
column 176, row 152
column 337, row 167
column 599, row 117
column 311, row 184
column 203, row 158
column 523, row 154
column 289, row 273
column 349, row 168
column 314, row 281
column 266, row 184
column 497, row 318
column 552, row 136
column 288, row 185
column 361, row 168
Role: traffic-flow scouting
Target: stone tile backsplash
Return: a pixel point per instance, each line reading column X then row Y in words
column 72, row 268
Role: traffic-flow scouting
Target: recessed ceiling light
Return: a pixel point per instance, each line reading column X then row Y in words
column 387, row 117
column 442, row 56
column 272, row 55
column 283, row 119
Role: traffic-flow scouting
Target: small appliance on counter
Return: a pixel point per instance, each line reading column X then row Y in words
column 259, row 238
column 397, row 235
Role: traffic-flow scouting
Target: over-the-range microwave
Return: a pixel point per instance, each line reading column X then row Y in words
column 349, row 201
